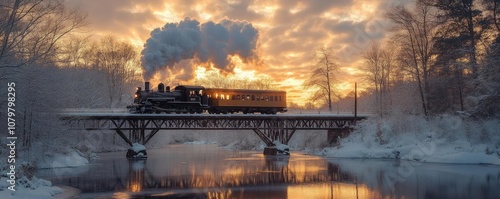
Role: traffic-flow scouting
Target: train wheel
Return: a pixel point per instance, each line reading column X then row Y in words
column 274, row 111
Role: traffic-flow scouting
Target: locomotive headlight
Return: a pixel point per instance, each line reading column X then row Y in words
column 136, row 96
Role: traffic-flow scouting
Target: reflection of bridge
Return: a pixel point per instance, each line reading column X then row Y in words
column 141, row 175
column 142, row 127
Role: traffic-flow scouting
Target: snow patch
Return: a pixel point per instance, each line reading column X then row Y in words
column 280, row 146
column 138, row 147
column 35, row 188
column 70, row 159
column 443, row 139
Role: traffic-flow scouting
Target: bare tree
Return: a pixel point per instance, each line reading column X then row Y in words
column 415, row 30
column 117, row 60
column 322, row 76
column 72, row 52
column 263, row 83
column 379, row 68
column 215, row 79
column 31, row 29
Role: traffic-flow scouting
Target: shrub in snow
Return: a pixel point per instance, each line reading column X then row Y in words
column 444, row 138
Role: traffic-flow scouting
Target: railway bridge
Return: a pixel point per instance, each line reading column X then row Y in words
column 141, row 128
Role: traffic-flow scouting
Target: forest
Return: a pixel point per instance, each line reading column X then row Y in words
column 440, row 57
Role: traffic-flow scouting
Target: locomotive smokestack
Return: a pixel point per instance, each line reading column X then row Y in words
column 146, row 86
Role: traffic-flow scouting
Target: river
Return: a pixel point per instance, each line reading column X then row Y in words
column 208, row 171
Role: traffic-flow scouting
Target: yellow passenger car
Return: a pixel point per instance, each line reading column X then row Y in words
column 246, row 101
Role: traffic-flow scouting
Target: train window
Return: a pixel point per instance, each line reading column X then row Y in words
column 253, row 97
column 216, row 95
column 271, row 98
column 248, row 97
column 237, row 97
column 267, row 98
column 234, row 97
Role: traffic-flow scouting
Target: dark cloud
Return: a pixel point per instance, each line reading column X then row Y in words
column 209, row 42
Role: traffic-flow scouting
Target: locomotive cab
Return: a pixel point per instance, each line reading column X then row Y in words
column 191, row 93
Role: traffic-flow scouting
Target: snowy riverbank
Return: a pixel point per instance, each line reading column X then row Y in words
column 451, row 139
column 444, row 139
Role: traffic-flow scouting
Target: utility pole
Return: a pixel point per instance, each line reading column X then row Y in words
column 355, row 100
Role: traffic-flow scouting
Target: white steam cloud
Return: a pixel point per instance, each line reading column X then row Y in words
column 206, row 43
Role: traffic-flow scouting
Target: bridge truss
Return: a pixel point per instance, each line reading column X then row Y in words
column 141, row 128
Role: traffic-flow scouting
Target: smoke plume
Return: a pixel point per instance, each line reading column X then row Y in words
column 209, row 42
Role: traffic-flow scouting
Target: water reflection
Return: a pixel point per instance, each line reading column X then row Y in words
column 403, row 179
column 210, row 172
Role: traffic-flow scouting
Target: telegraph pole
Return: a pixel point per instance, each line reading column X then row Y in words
column 355, row 99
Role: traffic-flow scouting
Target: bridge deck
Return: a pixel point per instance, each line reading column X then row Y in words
column 214, row 122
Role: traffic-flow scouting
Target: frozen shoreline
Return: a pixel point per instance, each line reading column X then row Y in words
column 446, row 139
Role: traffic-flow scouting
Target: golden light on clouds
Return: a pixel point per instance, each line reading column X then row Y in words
column 266, row 10
column 289, row 32
column 242, row 74
column 166, row 14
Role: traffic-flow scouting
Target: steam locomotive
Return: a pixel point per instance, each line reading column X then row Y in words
column 197, row 99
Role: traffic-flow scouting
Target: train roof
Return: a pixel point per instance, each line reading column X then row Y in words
column 189, row 87
column 244, row 90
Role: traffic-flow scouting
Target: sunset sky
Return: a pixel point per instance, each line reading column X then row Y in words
column 289, row 31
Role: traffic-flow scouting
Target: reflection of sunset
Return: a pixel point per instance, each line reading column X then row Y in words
column 337, row 190
column 120, row 195
column 308, row 178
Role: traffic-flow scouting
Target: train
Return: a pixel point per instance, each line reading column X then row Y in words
column 198, row 99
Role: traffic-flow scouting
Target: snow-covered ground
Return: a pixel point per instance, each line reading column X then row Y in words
column 443, row 139
column 40, row 188
column 34, row 188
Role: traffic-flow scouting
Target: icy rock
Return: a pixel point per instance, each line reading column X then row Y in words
column 93, row 156
column 137, row 151
column 282, row 148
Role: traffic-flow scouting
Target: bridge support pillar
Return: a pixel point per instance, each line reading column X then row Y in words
column 269, row 136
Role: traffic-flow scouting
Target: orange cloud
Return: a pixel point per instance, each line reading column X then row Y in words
column 289, row 30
